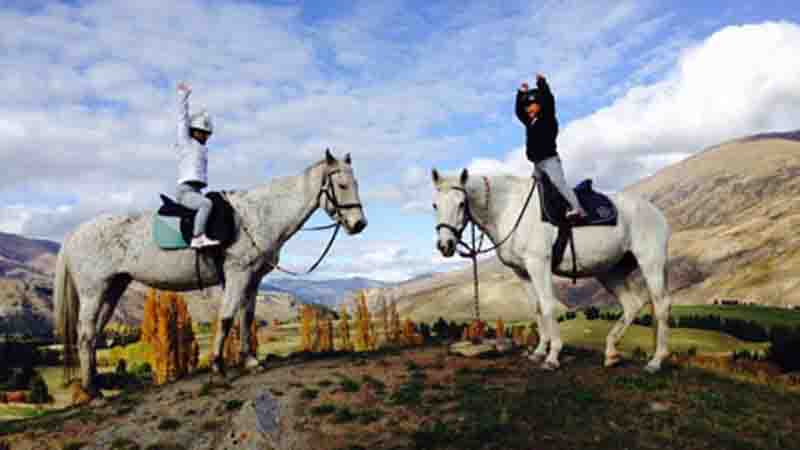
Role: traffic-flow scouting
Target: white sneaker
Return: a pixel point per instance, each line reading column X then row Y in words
column 575, row 214
column 203, row 241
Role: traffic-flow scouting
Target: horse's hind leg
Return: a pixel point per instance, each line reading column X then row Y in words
column 87, row 340
column 111, row 299
column 655, row 274
column 619, row 282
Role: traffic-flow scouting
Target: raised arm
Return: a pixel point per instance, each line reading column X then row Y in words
column 522, row 115
column 184, row 90
column 547, row 101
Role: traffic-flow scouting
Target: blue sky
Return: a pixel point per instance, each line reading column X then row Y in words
column 86, row 100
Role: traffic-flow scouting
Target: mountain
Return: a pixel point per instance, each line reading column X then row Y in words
column 734, row 210
column 329, row 293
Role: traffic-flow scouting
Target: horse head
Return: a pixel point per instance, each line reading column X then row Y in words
column 341, row 200
column 450, row 202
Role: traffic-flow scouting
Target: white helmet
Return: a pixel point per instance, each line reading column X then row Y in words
column 201, row 121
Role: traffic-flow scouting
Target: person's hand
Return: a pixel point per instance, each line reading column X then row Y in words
column 184, row 87
column 524, row 87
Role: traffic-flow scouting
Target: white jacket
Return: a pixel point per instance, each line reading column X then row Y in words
column 192, row 155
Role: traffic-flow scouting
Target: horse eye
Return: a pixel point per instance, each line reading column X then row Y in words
column 461, row 205
column 434, row 206
column 343, row 187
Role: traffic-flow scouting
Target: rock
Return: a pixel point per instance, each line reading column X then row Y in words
column 265, row 423
column 468, row 349
column 659, row 407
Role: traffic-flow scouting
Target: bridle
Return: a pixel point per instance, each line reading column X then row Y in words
column 329, row 191
column 469, row 219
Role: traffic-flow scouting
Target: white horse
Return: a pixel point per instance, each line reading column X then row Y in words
column 98, row 261
column 611, row 254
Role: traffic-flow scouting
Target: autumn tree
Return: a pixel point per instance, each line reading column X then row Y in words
column 167, row 328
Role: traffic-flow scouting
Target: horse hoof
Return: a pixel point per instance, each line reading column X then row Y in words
column 612, row 361
column 536, row 357
column 652, row 368
column 550, row 366
column 252, row 363
column 218, row 368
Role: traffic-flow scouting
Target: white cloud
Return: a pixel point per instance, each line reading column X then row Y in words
column 739, row 81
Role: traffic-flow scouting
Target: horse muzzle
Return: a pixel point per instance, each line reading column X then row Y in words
column 446, row 246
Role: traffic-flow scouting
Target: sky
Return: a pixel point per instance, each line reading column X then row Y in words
column 87, row 94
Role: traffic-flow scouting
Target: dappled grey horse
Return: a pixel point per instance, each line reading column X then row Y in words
column 611, row 254
column 98, row 261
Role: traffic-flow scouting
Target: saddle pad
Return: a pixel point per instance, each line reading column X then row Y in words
column 167, row 233
column 220, row 224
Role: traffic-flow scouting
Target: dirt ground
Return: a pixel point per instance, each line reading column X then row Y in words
column 425, row 398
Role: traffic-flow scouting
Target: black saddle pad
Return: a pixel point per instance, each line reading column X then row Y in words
column 600, row 210
column 220, row 224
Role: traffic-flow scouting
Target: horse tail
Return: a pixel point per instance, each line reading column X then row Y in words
column 66, row 307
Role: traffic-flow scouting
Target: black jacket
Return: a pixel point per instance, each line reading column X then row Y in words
column 540, row 142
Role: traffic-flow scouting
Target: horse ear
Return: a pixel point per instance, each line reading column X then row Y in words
column 435, row 176
column 464, row 177
column 329, row 158
column 347, row 159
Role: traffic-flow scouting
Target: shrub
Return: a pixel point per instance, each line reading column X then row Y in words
column 591, row 313
column 309, row 394
column 784, row 349
column 570, row 315
column 233, row 405
column 322, row 410
column 168, row 424
column 440, row 329
column 350, row 385
column 39, row 392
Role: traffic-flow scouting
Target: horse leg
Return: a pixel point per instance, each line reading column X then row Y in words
column 235, row 288
column 110, row 301
column 542, row 280
column 248, row 312
column 619, row 283
column 655, row 275
column 540, row 352
column 87, row 341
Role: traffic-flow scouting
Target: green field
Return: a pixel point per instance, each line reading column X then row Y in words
column 592, row 334
column 765, row 315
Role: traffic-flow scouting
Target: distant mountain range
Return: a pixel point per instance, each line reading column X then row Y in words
column 325, row 292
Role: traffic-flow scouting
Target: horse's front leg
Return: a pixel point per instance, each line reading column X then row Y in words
column 232, row 299
column 542, row 279
column 540, row 352
column 249, row 354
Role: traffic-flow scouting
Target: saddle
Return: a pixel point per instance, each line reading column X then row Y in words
column 173, row 223
column 600, row 211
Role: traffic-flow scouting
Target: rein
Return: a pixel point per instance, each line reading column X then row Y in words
column 473, row 251
column 330, row 195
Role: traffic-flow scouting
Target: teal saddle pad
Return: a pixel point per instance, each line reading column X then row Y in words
column 167, row 232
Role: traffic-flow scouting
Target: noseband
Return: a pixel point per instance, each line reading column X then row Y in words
column 330, row 195
column 467, row 218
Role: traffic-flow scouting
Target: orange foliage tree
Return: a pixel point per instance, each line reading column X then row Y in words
column 364, row 341
column 345, row 345
column 308, row 317
column 167, row 328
